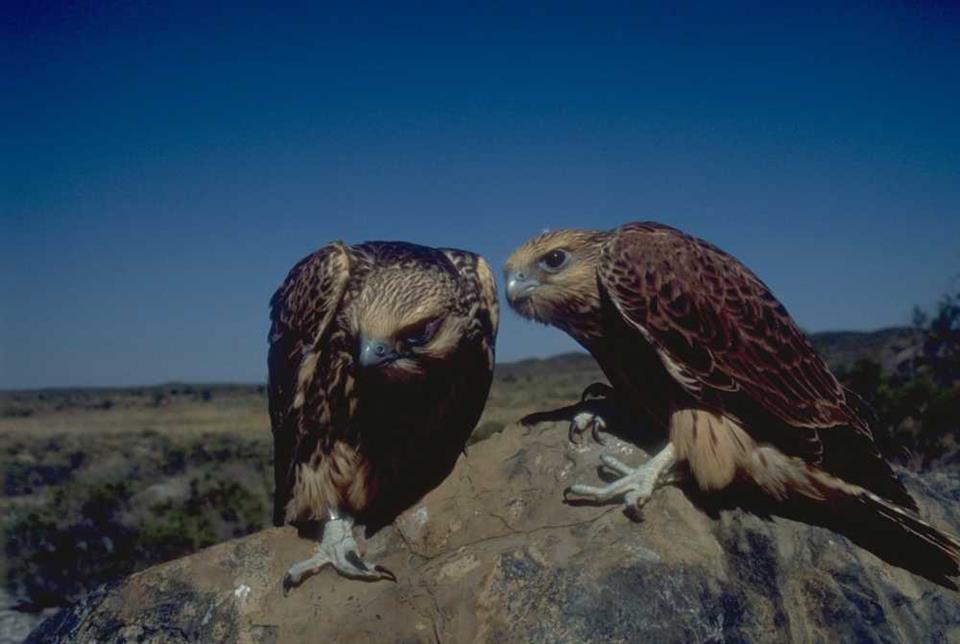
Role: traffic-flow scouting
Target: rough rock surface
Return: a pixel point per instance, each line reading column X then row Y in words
column 494, row 554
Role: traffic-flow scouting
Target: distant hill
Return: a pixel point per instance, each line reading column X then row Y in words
column 891, row 348
column 560, row 363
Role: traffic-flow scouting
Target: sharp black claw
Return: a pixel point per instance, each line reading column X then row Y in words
column 387, row 574
column 573, row 432
column 287, row 584
column 357, row 562
column 566, row 493
column 595, row 432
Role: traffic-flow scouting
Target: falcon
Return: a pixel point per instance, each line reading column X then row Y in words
column 696, row 346
column 381, row 358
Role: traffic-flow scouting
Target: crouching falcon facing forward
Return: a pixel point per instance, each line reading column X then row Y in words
column 381, row 357
column 696, row 345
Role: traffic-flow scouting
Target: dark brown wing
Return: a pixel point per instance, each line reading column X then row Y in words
column 719, row 325
column 489, row 306
column 302, row 312
column 475, row 362
column 480, row 294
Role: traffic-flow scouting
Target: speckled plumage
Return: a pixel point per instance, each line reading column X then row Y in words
column 697, row 344
column 370, row 442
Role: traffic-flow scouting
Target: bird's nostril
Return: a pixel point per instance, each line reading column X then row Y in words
column 380, row 350
column 521, row 276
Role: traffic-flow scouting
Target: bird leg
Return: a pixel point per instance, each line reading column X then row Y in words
column 589, row 418
column 586, row 413
column 338, row 548
column 635, row 484
column 583, row 421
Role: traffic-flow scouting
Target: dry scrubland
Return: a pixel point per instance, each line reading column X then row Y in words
column 100, row 482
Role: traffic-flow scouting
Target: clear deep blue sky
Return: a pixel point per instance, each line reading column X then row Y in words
column 163, row 166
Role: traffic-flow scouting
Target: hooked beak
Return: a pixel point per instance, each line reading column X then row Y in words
column 520, row 286
column 374, row 353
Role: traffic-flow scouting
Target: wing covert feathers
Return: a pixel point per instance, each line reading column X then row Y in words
column 302, row 310
column 722, row 334
column 476, row 273
column 719, row 325
column 488, row 291
column 489, row 303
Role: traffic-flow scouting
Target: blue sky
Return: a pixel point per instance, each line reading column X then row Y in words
column 163, row 166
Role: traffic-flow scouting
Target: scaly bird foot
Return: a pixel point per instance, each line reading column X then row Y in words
column 337, row 548
column 635, row 485
column 583, row 421
column 589, row 418
column 593, row 398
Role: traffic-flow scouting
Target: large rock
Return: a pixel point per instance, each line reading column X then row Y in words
column 494, row 554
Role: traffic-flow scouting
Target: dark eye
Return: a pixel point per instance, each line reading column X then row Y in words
column 554, row 260
column 420, row 334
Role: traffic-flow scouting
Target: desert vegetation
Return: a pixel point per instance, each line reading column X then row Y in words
column 99, row 483
column 916, row 399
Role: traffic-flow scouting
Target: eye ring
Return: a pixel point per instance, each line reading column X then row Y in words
column 554, row 260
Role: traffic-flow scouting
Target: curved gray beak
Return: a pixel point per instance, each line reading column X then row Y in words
column 520, row 286
column 374, row 353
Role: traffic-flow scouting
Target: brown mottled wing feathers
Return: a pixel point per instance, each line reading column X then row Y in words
column 302, row 310
column 720, row 325
column 480, row 294
column 488, row 292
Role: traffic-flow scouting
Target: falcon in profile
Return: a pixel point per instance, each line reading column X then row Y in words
column 697, row 347
column 380, row 362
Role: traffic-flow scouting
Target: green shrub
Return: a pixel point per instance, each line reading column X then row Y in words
column 918, row 416
column 92, row 522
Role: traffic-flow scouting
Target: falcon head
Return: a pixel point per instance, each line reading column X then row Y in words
column 407, row 320
column 554, row 275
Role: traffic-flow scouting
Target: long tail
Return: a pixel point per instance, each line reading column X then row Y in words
column 890, row 531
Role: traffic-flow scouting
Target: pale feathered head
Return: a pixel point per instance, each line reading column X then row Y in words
column 405, row 319
column 553, row 277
